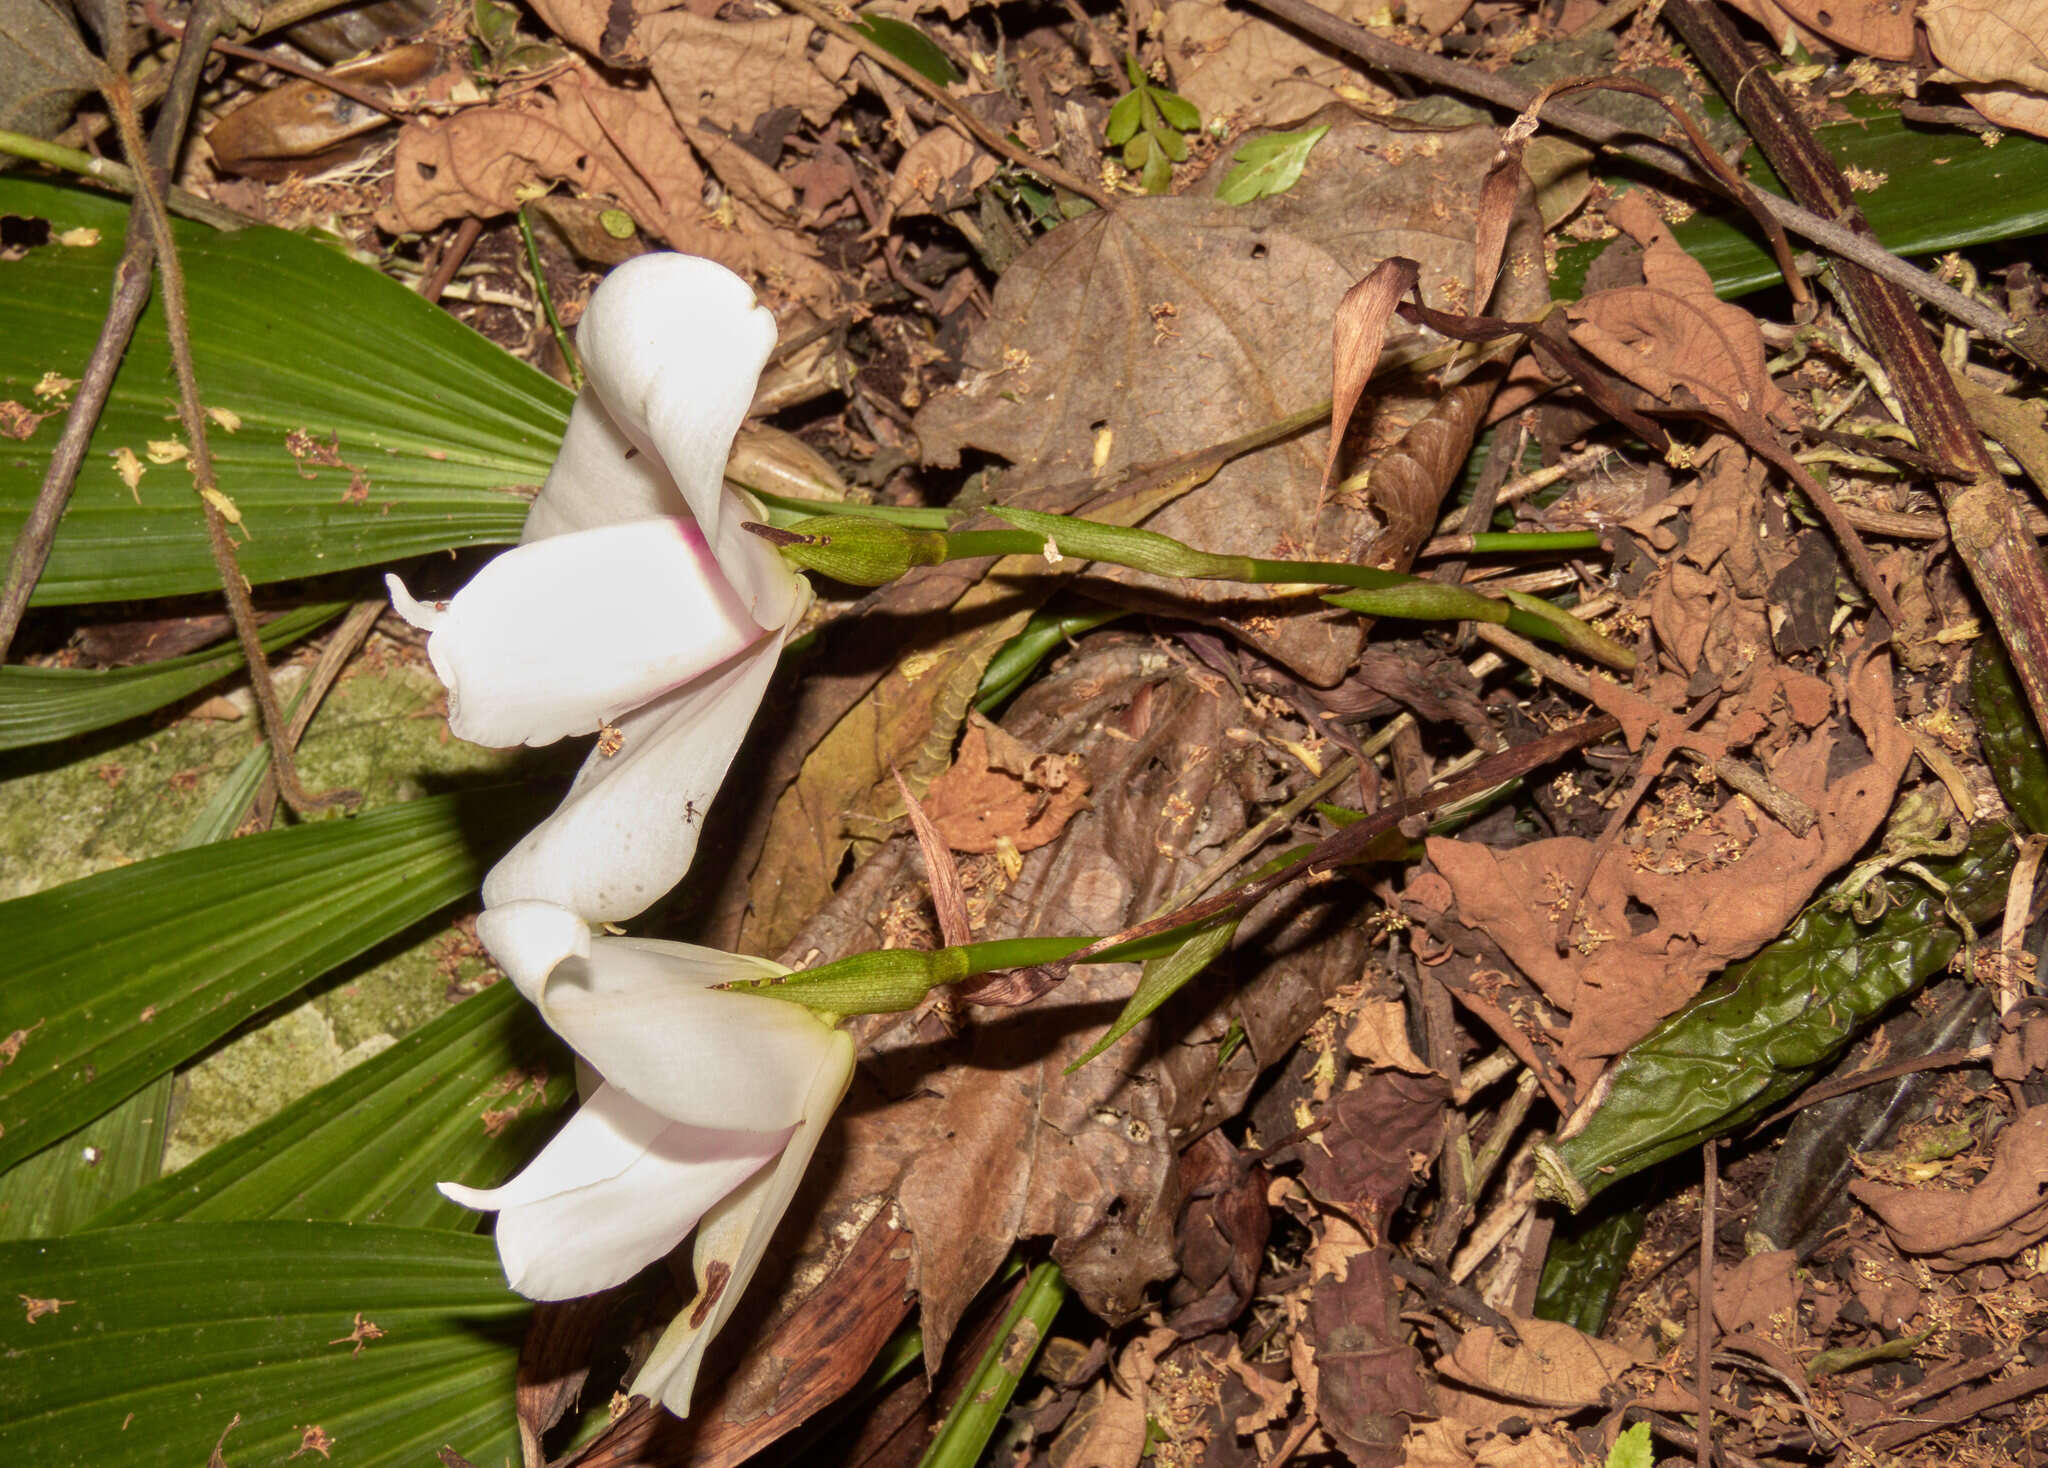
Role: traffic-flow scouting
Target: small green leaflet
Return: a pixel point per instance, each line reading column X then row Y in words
column 1269, row 165
column 1632, row 1449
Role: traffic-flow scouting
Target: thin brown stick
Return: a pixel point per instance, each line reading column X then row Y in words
column 32, row 546
column 452, row 255
column 987, row 136
column 1710, row 1180
column 334, row 657
column 206, row 20
column 1504, row 91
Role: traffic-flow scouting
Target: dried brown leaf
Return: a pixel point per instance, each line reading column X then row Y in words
column 1237, row 65
column 982, row 801
column 1124, row 338
column 1990, row 40
column 1672, row 336
column 2003, row 1214
column 1714, row 893
column 731, row 73
column 1556, row 1365
column 1881, row 28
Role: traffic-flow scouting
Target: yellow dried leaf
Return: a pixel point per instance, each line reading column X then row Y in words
column 167, row 451
column 79, row 239
column 226, row 418
column 226, row 506
column 54, row 385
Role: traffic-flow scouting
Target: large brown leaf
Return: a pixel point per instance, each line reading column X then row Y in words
column 1126, row 337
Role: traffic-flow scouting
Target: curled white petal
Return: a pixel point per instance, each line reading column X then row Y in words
column 617, row 1188
column 628, row 828
column 672, row 348
column 527, row 940
column 563, row 636
column 643, row 1014
column 734, row 1235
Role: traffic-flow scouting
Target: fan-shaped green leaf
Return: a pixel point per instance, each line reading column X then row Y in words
column 371, row 425
column 351, row 1344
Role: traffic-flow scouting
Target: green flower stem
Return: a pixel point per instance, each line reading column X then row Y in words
column 1515, row 542
column 787, row 510
column 865, row 553
column 547, row 302
column 978, row 1411
column 1045, row 633
column 179, row 201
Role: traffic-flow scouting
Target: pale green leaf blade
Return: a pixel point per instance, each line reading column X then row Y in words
column 167, row 1332
column 58, row 1189
column 1163, row 978
column 467, row 1098
column 437, row 434
column 115, row 978
column 1178, row 111
column 1632, row 1449
column 1269, row 165
column 39, row 705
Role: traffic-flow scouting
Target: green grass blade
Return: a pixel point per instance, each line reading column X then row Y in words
column 167, row 1333
column 40, row 705
column 435, row 429
column 116, row 978
column 466, row 1098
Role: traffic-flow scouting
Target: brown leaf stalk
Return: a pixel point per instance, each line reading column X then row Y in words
column 150, row 215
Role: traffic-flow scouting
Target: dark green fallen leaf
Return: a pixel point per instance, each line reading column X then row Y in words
column 356, row 1344
column 1770, row 1024
column 2012, row 746
column 371, row 425
column 466, row 1098
column 116, row 978
column 40, row 705
column 1588, row 1256
column 910, row 46
column 1942, row 190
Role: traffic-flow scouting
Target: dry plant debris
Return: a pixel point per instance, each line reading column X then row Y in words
column 1296, row 1207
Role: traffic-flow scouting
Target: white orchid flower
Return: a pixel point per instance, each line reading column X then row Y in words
column 635, row 603
column 710, row 1107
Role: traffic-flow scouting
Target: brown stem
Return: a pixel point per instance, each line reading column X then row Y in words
column 1506, row 92
column 205, row 22
column 333, row 658
column 1983, row 515
column 1710, row 1153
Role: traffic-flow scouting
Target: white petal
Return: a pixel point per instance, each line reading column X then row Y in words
column 566, row 635
column 611, row 1195
column 420, row 614
column 735, row 1235
column 527, row 940
column 628, row 828
column 694, row 1054
column 673, row 347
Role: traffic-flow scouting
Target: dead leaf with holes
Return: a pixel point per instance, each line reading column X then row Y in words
column 1072, row 375
column 1880, row 28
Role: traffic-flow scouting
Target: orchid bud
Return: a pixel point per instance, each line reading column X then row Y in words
column 857, row 550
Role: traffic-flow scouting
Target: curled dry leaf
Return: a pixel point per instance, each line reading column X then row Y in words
column 1672, row 336
column 1990, row 40
column 2003, row 1214
column 940, row 171
column 599, row 138
column 304, row 127
column 1880, row 28
column 1716, row 893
